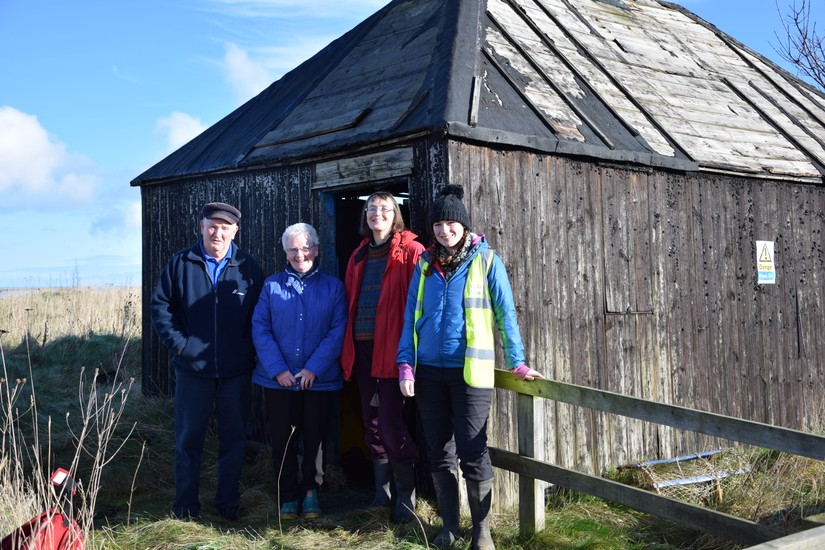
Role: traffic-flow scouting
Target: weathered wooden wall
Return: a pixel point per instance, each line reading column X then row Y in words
column 643, row 282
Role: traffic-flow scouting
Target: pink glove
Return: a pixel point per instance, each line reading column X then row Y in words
column 406, row 380
column 405, row 372
column 523, row 372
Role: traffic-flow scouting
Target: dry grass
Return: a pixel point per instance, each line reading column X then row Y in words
column 780, row 489
column 57, row 340
column 767, row 487
column 54, row 411
column 45, row 315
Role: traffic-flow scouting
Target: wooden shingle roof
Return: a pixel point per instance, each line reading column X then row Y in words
column 638, row 81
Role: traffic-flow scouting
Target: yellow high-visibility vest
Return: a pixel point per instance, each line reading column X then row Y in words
column 480, row 355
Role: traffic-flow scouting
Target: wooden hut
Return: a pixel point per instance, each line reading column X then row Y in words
column 622, row 156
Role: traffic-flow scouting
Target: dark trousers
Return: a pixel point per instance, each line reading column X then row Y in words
column 386, row 433
column 309, row 412
column 454, row 421
column 196, row 398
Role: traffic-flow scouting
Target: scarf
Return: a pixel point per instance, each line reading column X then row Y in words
column 451, row 262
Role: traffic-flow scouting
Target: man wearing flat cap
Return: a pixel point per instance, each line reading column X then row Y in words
column 202, row 310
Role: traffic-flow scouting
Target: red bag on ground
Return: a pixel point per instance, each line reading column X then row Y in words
column 52, row 530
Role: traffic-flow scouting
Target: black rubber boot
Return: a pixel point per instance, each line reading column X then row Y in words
column 480, row 498
column 382, row 472
column 404, row 511
column 446, row 492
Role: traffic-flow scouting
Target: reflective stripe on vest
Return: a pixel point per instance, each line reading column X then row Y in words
column 479, row 355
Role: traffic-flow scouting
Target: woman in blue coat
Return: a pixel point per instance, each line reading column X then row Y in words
column 298, row 329
column 446, row 358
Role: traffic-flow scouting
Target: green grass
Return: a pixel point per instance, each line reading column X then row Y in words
column 131, row 509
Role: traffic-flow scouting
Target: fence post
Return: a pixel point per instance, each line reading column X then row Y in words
column 530, row 490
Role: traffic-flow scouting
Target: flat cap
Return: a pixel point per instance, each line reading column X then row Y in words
column 221, row 210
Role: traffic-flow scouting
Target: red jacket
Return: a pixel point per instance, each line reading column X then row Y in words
column 389, row 317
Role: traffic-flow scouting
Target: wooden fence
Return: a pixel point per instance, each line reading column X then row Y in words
column 532, row 471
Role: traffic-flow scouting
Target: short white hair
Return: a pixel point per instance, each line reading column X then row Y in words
column 298, row 230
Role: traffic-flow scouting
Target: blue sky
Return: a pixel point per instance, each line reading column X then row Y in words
column 94, row 92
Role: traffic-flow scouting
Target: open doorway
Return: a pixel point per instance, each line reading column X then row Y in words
column 349, row 207
column 346, row 207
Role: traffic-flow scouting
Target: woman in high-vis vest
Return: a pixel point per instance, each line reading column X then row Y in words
column 446, row 358
column 378, row 276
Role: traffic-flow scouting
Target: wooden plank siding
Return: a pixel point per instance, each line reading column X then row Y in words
column 644, row 283
column 633, row 280
column 809, row 259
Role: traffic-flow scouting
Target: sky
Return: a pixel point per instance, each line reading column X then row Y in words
column 94, row 92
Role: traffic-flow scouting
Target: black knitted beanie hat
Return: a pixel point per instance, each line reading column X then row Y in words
column 448, row 206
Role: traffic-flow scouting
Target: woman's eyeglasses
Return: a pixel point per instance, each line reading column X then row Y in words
column 376, row 209
column 303, row 250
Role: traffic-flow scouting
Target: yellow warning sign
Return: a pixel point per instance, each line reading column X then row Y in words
column 765, row 266
column 765, row 256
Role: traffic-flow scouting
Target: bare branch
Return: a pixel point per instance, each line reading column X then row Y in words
column 802, row 45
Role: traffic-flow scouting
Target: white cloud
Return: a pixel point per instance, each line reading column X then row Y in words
column 179, row 128
column 246, row 77
column 124, row 74
column 249, row 73
column 298, row 29
column 118, row 220
column 35, row 166
column 290, row 9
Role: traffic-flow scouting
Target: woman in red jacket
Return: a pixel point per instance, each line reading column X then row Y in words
column 378, row 276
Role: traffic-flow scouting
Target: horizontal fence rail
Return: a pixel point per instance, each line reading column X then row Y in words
column 726, row 427
column 531, row 498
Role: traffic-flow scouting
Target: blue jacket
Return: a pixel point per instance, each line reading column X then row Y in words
column 206, row 326
column 442, row 336
column 300, row 323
